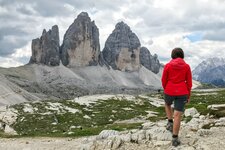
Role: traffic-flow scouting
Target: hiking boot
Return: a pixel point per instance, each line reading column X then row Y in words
column 169, row 127
column 175, row 142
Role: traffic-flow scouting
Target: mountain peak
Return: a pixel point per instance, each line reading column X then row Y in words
column 210, row 70
column 83, row 14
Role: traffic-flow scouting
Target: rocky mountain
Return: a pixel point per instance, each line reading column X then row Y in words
column 79, row 66
column 81, row 43
column 122, row 49
column 45, row 50
column 211, row 71
column 150, row 62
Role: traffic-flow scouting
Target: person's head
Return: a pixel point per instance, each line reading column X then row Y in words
column 177, row 53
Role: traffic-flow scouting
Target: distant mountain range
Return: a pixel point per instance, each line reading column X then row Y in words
column 78, row 66
column 212, row 71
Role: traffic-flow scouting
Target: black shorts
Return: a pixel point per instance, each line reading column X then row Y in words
column 179, row 101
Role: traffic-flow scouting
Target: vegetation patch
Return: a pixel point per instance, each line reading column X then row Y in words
column 55, row 118
column 67, row 118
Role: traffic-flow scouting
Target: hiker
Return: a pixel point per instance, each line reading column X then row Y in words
column 177, row 83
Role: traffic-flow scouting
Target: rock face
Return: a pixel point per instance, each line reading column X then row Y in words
column 81, row 43
column 45, row 50
column 122, row 49
column 149, row 61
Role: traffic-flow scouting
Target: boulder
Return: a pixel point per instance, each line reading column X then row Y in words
column 190, row 112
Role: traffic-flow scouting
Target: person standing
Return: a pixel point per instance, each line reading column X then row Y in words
column 177, row 83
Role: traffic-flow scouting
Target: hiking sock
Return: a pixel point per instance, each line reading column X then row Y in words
column 170, row 120
column 169, row 125
column 175, row 136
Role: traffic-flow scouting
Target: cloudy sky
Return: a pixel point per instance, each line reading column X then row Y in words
column 197, row 26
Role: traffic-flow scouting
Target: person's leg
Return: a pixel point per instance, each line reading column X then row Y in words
column 168, row 102
column 176, row 123
column 179, row 104
column 169, row 112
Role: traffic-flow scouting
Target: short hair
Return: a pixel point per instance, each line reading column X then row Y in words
column 177, row 53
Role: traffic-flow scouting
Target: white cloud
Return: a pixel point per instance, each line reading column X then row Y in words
column 160, row 25
column 9, row 62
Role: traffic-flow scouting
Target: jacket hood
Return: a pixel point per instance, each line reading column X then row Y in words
column 177, row 63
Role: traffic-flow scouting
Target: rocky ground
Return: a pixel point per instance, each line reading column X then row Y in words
column 152, row 136
column 202, row 128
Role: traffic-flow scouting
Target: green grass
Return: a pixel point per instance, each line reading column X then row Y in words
column 200, row 102
column 102, row 115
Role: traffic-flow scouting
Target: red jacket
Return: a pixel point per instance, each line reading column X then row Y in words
column 177, row 78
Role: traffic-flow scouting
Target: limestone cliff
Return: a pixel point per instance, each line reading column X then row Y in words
column 81, row 43
column 45, row 50
column 122, row 49
column 150, row 62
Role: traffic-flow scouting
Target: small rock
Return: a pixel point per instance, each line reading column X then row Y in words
column 126, row 137
column 196, row 115
column 160, row 143
column 190, row 112
column 106, row 133
column 10, row 130
column 202, row 117
column 147, row 125
column 117, row 142
column 204, row 132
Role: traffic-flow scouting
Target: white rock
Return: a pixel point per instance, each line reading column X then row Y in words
column 204, row 132
column 107, row 133
column 216, row 106
column 196, row 115
column 126, row 137
column 9, row 130
column 147, row 125
column 159, row 133
column 138, row 137
column 117, row 142
column 190, row 112
column 220, row 122
column 194, row 124
column 9, row 116
column 87, row 117
column 160, row 143
column 202, row 117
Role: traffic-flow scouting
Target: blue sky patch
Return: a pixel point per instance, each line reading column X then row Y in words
column 194, row 37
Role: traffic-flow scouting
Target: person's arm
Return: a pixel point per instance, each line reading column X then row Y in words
column 164, row 77
column 189, row 82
